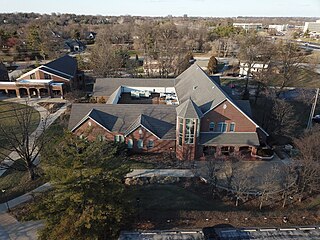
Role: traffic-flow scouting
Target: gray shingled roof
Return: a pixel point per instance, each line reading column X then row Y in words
column 156, row 126
column 161, row 119
column 245, row 106
column 194, row 83
column 189, row 109
column 228, row 138
column 65, row 65
column 107, row 86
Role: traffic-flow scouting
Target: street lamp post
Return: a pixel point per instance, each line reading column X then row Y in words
column 138, row 206
column 6, row 201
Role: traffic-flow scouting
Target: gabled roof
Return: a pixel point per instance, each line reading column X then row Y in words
column 141, row 120
column 155, row 126
column 123, row 118
column 66, row 65
column 194, row 83
column 189, row 109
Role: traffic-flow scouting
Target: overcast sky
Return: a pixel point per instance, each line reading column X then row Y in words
column 211, row 8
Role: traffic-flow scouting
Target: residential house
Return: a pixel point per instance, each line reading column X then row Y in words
column 74, row 46
column 190, row 116
column 254, row 68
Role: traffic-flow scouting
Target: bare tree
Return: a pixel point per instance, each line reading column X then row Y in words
column 287, row 182
column 283, row 117
column 105, row 58
column 238, row 179
column 269, row 185
column 19, row 139
column 291, row 65
column 250, row 53
column 213, row 166
column 308, row 163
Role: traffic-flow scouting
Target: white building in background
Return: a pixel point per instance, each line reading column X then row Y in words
column 249, row 26
column 256, row 67
column 312, row 27
column 279, row 28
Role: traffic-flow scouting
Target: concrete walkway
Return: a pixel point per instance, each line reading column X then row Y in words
column 23, row 198
column 44, row 114
column 11, row 228
column 136, row 173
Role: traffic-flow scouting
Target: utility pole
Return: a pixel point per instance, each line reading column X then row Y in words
column 313, row 108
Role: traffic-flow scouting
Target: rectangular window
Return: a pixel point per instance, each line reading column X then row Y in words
column 118, row 138
column 180, row 130
column 47, row 76
column 232, row 127
column 150, row 144
column 130, row 143
column 140, row 143
column 189, row 131
column 211, row 127
column 222, row 127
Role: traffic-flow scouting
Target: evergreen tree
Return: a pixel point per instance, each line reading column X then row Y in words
column 212, row 65
column 87, row 201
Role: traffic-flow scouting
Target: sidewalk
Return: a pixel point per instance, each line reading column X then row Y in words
column 44, row 114
column 10, row 228
column 136, row 173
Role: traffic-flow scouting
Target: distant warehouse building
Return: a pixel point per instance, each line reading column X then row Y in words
column 249, row 26
column 312, row 27
column 279, row 28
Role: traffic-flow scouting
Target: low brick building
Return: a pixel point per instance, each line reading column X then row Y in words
column 196, row 120
column 53, row 79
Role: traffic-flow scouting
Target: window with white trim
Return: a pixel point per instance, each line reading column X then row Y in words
column 211, row 127
column 180, row 130
column 140, row 143
column 119, row 138
column 150, row 143
column 130, row 143
column 232, row 127
column 189, row 131
column 222, row 127
column 47, row 76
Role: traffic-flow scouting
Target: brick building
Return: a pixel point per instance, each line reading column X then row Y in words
column 53, row 79
column 191, row 116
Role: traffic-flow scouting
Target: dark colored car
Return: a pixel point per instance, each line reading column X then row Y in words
column 316, row 119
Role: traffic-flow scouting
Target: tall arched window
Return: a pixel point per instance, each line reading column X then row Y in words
column 211, row 127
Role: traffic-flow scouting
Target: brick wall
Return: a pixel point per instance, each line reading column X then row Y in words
column 227, row 115
column 95, row 130
column 159, row 145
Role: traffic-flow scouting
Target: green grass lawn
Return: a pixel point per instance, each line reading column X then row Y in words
column 17, row 183
column 9, row 119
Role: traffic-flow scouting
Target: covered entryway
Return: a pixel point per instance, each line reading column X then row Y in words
column 44, row 92
column 23, row 92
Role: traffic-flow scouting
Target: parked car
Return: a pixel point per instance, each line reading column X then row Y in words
column 316, row 119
